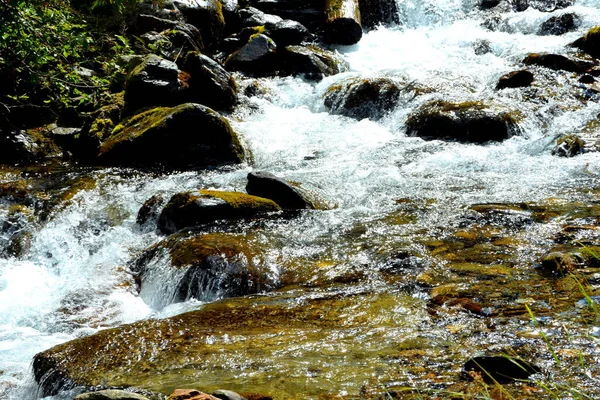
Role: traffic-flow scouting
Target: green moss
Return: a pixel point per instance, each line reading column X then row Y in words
column 238, row 200
column 187, row 252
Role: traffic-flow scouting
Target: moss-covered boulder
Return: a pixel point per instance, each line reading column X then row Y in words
column 311, row 61
column 473, row 122
column 209, row 83
column 288, row 195
column 190, row 209
column 205, row 267
column 188, row 135
column 590, row 42
column 363, row 97
column 255, row 57
column 153, row 82
column 557, row 62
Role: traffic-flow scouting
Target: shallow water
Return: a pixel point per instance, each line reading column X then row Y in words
column 74, row 280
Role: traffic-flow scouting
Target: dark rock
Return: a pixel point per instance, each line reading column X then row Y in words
column 502, row 369
column 189, row 135
column 515, row 79
column 564, row 261
column 308, row 12
column 287, row 32
column 207, row 267
column 256, row 57
column 557, row 62
column 378, row 12
column 209, row 84
column 251, row 16
column 464, row 122
column 590, row 42
column 481, row 47
column 207, row 16
column 147, row 23
column 587, row 78
column 342, row 22
column 164, row 9
column 110, row 394
column 20, row 146
column 311, row 61
column 25, row 116
column 227, row 395
column 67, row 139
column 487, row 4
column 541, row 5
column 568, row 146
column 170, row 44
column 192, row 209
column 287, row 195
column 363, row 97
column 154, row 82
column 150, row 210
column 559, row 25
column 190, row 394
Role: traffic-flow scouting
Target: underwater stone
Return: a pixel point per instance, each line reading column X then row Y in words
column 515, row 79
column 501, row 369
column 110, row 394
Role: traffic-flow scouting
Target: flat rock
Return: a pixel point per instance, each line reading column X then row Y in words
column 110, row 394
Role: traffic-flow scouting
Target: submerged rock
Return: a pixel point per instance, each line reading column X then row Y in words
column 287, row 195
column 472, row 122
column 190, row 394
column 557, row 62
column 227, row 395
column 515, row 79
column 568, row 146
column 110, row 394
column 205, row 206
column 363, row 97
column 189, row 135
column 590, row 42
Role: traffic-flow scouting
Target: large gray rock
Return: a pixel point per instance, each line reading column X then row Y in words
column 110, row 394
column 311, row 61
column 256, row 57
column 189, row 135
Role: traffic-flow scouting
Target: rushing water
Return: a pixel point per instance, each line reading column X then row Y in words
column 74, row 281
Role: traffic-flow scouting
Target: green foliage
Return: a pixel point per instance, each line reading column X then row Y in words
column 50, row 55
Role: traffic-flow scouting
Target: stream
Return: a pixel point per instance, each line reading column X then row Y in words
column 402, row 229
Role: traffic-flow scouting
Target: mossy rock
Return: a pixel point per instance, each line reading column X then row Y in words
column 207, row 16
column 568, row 146
column 191, row 209
column 557, row 62
column 206, row 267
column 27, row 146
column 287, row 195
column 363, row 97
column 209, row 84
column 590, row 42
column 188, row 135
column 310, row 61
column 256, row 57
column 473, row 122
column 565, row 261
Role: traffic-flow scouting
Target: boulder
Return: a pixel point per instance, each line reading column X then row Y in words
column 378, row 12
column 188, row 135
column 472, row 122
column 227, row 395
column 251, row 16
column 149, row 23
column 205, row 267
column 206, row 15
column 191, row 209
column 557, row 62
column 150, row 210
column 568, row 146
column 515, row 79
column 256, row 57
column 287, row 195
column 169, row 44
column 209, row 83
column 590, row 42
column 154, row 82
column 487, row 4
column 559, row 25
column 541, row 5
column 308, row 12
column 363, row 97
column 26, row 146
column 311, row 61
column 110, row 394
column 501, row 369
column 287, row 32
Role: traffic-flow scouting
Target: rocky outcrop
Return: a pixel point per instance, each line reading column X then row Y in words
column 209, row 83
column 191, row 209
column 206, row 267
column 473, row 122
column 363, row 97
column 515, row 79
column 287, row 195
column 188, row 135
